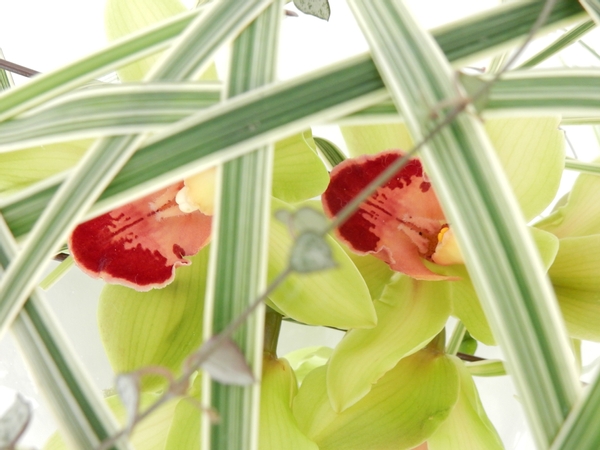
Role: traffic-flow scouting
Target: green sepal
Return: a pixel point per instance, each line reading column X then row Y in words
column 337, row 297
column 154, row 432
column 465, row 302
column 409, row 314
column 21, row 168
column 184, row 433
column 305, row 360
column 372, row 139
column 402, row 410
column 160, row 327
column 575, row 275
column 531, row 150
column 278, row 426
column 578, row 214
column 376, row 273
column 298, row 172
column 123, row 17
column 467, row 427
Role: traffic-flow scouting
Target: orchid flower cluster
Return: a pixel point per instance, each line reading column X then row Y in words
column 389, row 382
column 400, row 275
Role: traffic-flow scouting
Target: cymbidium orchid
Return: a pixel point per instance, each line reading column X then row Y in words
column 402, row 224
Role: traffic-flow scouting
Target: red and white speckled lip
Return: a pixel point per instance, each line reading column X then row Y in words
column 140, row 244
column 399, row 224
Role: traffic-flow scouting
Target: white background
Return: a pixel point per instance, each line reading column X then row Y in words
column 44, row 35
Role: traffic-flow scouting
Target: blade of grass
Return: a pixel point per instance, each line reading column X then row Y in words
column 82, row 416
column 494, row 28
column 238, row 259
column 502, row 260
column 108, row 110
column 80, row 413
column 573, row 35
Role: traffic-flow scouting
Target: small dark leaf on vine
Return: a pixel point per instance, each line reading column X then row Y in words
column 308, row 219
column 303, row 220
column 311, row 253
column 14, row 422
column 317, row 8
column 284, row 216
column 227, row 365
column 128, row 388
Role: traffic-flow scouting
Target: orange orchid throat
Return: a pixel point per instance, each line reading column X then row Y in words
column 402, row 223
column 140, row 244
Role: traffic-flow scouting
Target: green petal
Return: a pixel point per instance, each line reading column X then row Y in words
column 467, row 308
column 531, row 149
column 337, row 297
column 20, row 168
column 375, row 272
column 123, row 17
column 575, row 275
column 151, row 433
column 402, row 410
column 305, row 360
column 581, row 311
column 467, row 426
column 159, row 327
column 371, row 139
column 577, row 264
column 298, row 173
column 278, row 426
column 580, row 215
column 465, row 302
column 409, row 314
column 184, row 433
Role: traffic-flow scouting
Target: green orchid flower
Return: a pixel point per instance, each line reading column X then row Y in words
column 575, row 272
column 403, row 226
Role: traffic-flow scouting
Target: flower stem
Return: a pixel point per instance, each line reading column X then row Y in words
column 272, row 328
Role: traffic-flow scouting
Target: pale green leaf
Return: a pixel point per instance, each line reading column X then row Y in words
column 278, row 426
column 298, row 173
column 409, row 314
column 159, row 327
column 531, row 150
column 402, row 410
column 467, row 427
column 338, row 297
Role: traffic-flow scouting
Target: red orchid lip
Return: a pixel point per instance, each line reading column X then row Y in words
column 140, row 244
column 399, row 224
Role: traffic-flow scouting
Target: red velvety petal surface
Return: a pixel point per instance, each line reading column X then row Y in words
column 140, row 244
column 399, row 224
